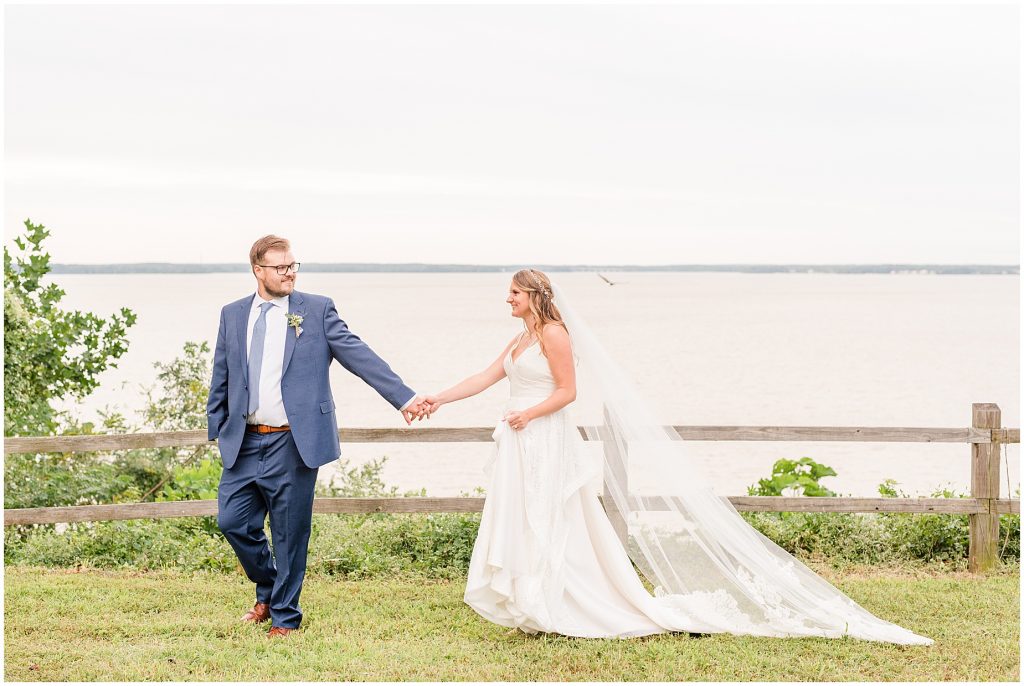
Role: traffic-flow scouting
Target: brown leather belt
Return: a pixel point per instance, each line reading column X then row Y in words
column 264, row 429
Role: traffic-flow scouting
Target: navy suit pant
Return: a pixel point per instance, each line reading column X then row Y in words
column 269, row 476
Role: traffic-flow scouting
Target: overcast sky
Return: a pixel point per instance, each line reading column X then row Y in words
column 524, row 134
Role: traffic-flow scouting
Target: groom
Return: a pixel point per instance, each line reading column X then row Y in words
column 271, row 408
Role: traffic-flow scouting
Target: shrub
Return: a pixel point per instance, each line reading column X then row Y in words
column 794, row 477
column 141, row 544
column 356, row 546
column 884, row 538
column 359, row 546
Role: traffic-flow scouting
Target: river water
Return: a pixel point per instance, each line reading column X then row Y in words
column 909, row 350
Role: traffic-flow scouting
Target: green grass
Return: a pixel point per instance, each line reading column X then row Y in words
column 64, row 625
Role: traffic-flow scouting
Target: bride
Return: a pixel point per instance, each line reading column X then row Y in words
column 548, row 557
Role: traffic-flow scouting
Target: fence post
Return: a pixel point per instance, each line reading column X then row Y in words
column 614, row 471
column 984, row 528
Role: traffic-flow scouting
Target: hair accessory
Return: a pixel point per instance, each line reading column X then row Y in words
column 540, row 285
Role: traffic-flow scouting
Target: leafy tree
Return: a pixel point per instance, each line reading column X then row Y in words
column 49, row 353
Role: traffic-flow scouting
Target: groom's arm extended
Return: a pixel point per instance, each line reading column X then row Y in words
column 357, row 357
column 217, row 403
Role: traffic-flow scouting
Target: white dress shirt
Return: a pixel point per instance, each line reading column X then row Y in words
column 271, row 410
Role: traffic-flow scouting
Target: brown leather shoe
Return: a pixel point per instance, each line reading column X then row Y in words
column 278, row 631
column 260, row 612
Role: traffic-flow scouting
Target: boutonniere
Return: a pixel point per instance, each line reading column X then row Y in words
column 295, row 321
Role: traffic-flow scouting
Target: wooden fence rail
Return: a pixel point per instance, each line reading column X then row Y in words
column 984, row 436
column 207, row 508
column 477, row 434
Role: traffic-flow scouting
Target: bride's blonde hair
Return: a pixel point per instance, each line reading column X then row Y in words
column 542, row 305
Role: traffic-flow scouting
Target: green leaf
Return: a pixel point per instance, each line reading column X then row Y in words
column 49, row 353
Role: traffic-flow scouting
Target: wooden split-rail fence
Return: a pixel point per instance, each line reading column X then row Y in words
column 984, row 506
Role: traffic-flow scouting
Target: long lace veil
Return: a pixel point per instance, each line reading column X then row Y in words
column 711, row 570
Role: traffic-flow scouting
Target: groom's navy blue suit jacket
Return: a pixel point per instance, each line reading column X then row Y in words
column 305, row 381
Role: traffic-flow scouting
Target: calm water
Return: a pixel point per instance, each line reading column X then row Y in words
column 751, row 349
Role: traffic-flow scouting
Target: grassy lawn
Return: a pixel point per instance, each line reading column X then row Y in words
column 62, row 625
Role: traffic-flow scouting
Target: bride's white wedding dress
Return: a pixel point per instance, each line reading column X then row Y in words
column 547, row 558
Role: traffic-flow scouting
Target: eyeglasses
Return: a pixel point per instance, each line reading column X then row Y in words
column 282, row 269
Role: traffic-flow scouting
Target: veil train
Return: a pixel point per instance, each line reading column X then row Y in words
column 712, row 572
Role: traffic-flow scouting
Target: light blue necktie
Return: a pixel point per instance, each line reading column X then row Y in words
column 259, row 333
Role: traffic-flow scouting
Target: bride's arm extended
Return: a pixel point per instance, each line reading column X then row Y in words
column 559, row 353
column 472, row 385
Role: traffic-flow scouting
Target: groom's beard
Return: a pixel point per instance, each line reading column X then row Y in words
column 279, row 293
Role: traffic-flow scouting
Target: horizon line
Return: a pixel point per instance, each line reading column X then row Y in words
column 70, row 267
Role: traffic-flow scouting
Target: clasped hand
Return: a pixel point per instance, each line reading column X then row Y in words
column 421, row 408
column 424, row 406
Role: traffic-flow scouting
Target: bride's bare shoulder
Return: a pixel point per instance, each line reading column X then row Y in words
column 555, row 337
column 556, row 331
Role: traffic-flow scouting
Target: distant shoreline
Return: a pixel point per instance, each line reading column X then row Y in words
column 168, row 268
